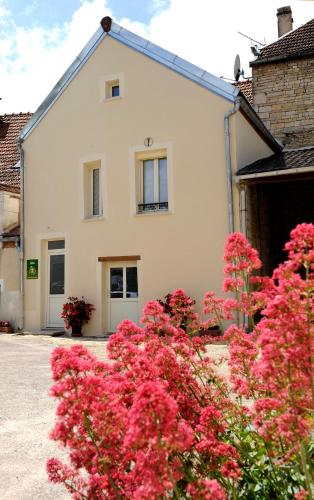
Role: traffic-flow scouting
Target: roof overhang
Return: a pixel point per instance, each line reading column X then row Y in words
column 274, row 173
column 281, row 58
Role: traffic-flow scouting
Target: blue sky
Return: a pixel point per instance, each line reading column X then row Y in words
column 40, row 38
column 48, row 13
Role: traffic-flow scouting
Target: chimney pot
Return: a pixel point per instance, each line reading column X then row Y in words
column 106, row 23
column 285, row 21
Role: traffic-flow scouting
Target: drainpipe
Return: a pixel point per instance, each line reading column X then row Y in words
column 243, row 211
column 21, row 248
column 228, row 164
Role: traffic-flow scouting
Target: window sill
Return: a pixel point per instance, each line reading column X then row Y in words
column 93, row 219
column 153, row 213
column 107, row 99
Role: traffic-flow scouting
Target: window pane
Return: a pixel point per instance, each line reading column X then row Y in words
column 116, row 282
column 96, row 200
column 55, row 245
column 56, row 275
column 115, row 91
column 131, row 282
column 162, row 178
column 148, row 181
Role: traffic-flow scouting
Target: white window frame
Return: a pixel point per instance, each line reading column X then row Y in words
column 155, row 159
column 92, row 192
column 137, row 154
column 106, row 84
column 86, row 202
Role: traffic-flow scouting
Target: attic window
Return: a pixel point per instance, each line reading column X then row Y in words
column 111, row 87
column 115, row 90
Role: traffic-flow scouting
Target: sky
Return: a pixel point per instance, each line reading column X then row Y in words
column 40, row 38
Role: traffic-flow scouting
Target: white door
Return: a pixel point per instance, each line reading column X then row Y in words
column 123, row 294
column 56, row 273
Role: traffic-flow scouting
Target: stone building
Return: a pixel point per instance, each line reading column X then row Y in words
column 277, row 192
column 283, row 85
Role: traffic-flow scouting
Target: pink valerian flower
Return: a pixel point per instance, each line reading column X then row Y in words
column 301, row 245
column 134, row 426
column 214, row 308
column 301, row 495
column 231, row 470
column 243, row 354
column 240, row 256
column 206, row 489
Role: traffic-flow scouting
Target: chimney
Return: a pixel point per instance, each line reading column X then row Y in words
column 285, row 20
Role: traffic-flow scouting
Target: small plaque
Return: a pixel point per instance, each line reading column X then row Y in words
column 32, row 269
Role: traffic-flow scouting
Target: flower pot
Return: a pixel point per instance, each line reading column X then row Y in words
column 6, row 329
column 76, row 331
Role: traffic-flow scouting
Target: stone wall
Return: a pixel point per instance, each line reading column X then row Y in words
column 283, row 97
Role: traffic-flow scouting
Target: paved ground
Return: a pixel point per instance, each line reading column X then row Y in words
column 27, row 414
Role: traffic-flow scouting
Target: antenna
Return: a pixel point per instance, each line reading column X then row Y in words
column 252, row 39
column 237, row 68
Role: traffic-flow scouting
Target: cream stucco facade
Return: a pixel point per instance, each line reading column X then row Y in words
column 181, row 247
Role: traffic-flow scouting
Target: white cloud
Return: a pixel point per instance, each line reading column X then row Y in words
column 202, row 31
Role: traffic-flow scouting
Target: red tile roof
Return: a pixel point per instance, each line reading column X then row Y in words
column 246, row 89
column 10, row 128
column 295, row 44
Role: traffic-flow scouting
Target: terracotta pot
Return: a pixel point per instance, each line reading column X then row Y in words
column 76, row 331
column 6, row 329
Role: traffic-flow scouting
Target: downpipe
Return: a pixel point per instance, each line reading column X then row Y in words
column 228, row 164
column 21, row 247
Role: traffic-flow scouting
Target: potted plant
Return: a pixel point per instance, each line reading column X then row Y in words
column 76, row 313
column 5, row 327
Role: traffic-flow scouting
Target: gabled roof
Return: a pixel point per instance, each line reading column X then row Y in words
column 295, row 44
column 158, row 54
column 284, row 162
column 246, row 89
column 10, row 128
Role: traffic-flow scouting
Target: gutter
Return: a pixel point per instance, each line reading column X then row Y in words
column 229, row 113
column 274, row 173
column 21, row 247
column 283, row 57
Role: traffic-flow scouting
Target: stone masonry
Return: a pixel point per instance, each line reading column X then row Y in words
column 283, row 97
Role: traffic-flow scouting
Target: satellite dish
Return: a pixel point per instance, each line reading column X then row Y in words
column 237, row 68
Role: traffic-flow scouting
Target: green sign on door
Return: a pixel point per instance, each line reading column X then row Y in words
column 32, row 269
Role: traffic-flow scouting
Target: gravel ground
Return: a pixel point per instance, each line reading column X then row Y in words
column 27, row 413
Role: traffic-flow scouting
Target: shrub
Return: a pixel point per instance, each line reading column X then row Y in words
column 76, row 312
column 159, row 421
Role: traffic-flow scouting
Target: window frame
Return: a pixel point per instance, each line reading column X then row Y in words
column 87, row 166
column 136, row 155
column 100, row 208
column 156, row 196
column 107, row 82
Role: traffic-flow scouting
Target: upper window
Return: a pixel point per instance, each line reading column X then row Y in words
column 153, row 184
column 92, row 190
column 115, row 90
column 96, row 199
column 111, row 87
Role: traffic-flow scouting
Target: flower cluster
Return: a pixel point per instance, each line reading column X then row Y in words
column 76, row 312
column 180, row 307
column 160, row 421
